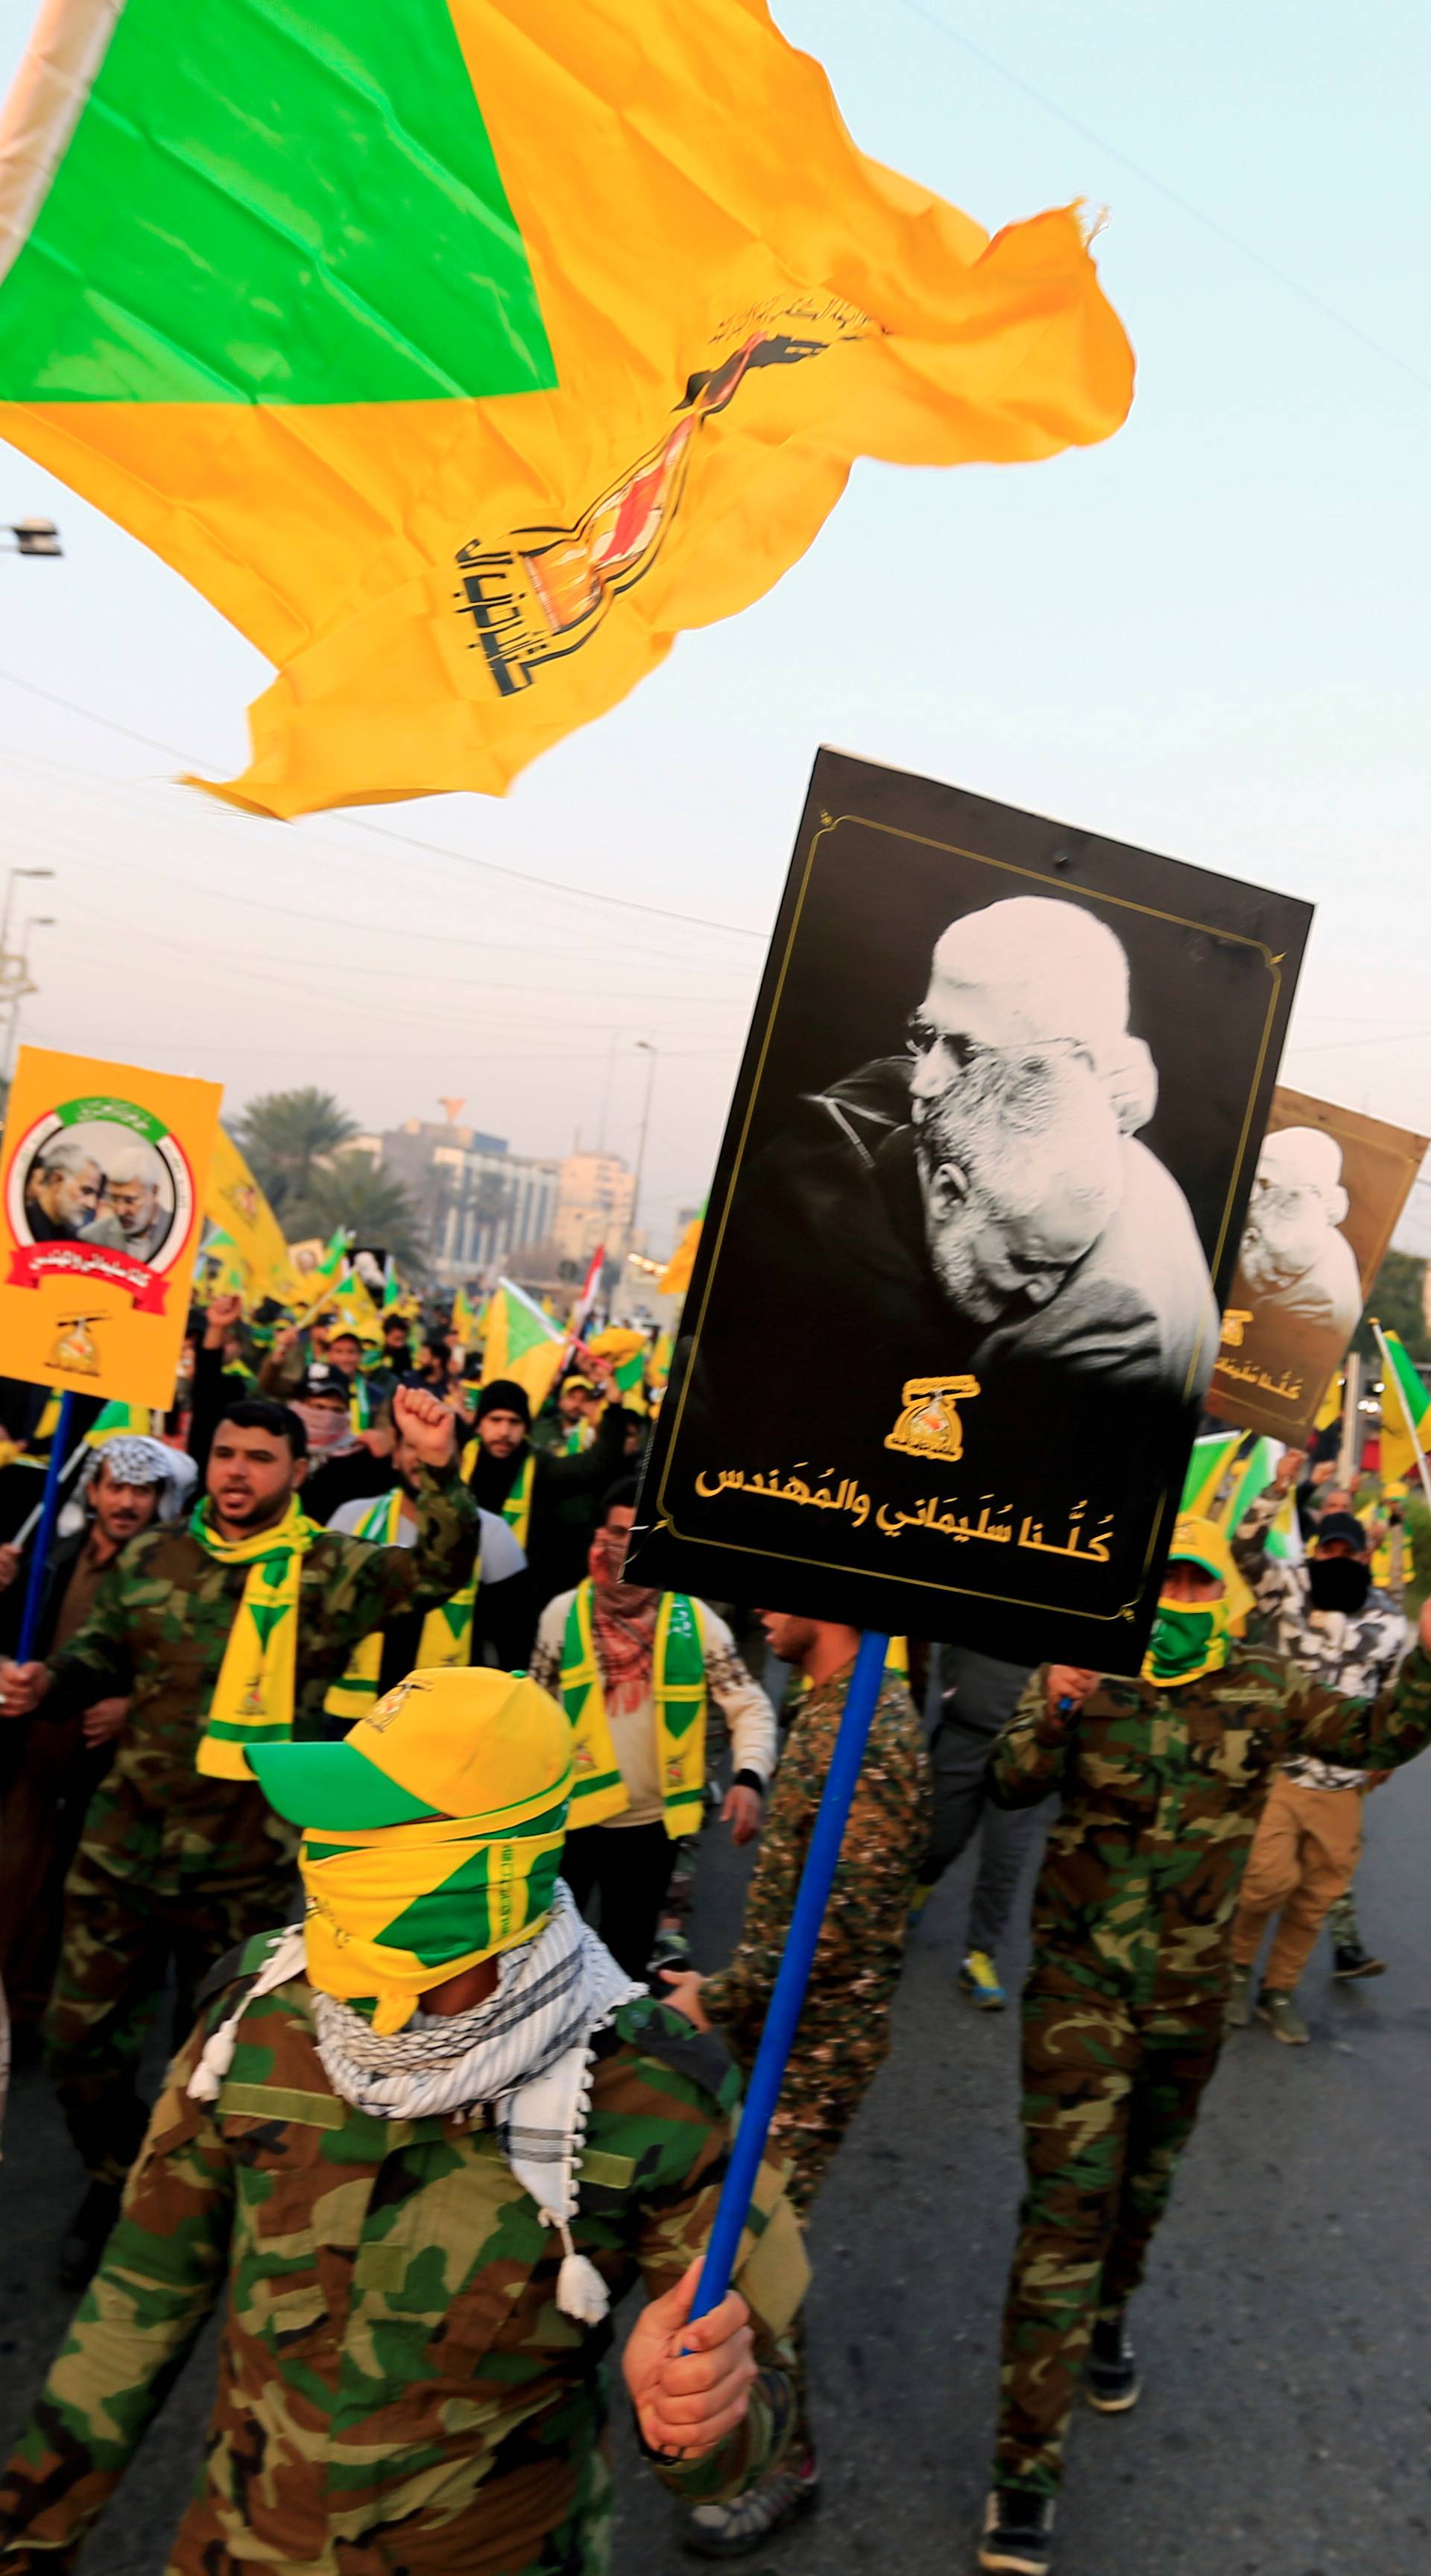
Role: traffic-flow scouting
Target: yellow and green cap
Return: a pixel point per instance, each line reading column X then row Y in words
column 450, row 1742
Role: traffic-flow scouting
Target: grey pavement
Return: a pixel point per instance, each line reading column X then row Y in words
column 1285, row 2329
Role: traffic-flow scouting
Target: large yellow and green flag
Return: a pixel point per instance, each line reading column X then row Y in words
column 1405, row 1414
column 248, row 1230
column 521, row 1344
column 465, row 351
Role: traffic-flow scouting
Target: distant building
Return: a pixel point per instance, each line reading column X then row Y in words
column 594, row 1204
column 481, row 1207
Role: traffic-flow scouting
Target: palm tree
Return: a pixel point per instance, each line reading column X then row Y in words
column 287, row 1136
column 353, row 1192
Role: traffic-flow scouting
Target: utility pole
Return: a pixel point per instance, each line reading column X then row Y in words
column 14, row 973
column 643, row 1047
column 37, row 921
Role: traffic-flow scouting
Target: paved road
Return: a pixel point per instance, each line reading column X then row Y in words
column 1285, row 2331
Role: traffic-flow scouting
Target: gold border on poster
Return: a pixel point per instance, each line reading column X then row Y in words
column 828, row 824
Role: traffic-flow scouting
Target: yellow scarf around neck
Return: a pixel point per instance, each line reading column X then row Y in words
column 446, row 1638
column 253, row 1697
column 678, row 1689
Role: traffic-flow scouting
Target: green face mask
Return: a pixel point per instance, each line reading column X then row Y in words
column 1185, row 1642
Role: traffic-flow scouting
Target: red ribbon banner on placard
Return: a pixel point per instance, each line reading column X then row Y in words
column 30, row 1263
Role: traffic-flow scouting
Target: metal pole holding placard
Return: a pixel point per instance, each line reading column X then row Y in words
column 49, row 1512
column 812, row 1897
column 1351, row 1411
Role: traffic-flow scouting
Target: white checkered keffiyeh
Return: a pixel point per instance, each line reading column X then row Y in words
column 525, row 2054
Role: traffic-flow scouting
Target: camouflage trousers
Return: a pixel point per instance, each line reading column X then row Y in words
column 1108, row 2108
column 825, row 2083
column 123, row 1931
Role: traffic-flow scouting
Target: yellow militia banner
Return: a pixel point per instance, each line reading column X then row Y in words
column 104, row 1171
column 236, row 1205
column 464, row 353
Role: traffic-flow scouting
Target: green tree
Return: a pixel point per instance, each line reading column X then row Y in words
column 354, row 1192
column 287, row 1136
column 1398, row 1301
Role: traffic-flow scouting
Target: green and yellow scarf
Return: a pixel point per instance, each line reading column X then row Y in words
column 446, row 1638
column 678, row 1686
column 252, row 1699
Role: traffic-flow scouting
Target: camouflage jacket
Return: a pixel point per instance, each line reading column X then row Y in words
column 156, row 1635
column 1356, row 1652
column 1162, row 1791
column 861, row 1944
column 397, row 2388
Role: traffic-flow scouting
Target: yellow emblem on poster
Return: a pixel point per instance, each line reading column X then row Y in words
column 102, row 1176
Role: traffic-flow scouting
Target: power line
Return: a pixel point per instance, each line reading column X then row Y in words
column 1196, row 214
column 411, row 840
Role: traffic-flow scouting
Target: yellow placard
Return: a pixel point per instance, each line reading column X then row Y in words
column 103, row 1169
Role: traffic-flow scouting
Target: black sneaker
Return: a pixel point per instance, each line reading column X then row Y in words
column 1110, row 2378
column 88, row 2235
column 1349, row 1959
column 1018, row 2532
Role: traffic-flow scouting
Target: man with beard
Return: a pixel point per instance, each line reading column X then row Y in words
column 225, row 1632
column 491, row 1612
column 1326, row 1617
column 62, row 1190
column 137, row 1221
column 1296, row 1275
column 635, row 1670
column 48, row 1773
column 548, row 1500
column 1292, row 1253
column 983, row 1205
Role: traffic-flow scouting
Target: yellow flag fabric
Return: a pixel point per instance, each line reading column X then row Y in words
column 465, row 353
column 675, row 1279
column 1331, row 1404
column 235, row 1204
column 520, row 1344
column 1405, row 1415
column 352, row 1306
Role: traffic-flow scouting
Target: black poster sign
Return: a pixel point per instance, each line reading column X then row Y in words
column 975, row 1216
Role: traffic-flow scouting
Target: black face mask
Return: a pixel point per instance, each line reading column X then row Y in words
column 1339, row 1583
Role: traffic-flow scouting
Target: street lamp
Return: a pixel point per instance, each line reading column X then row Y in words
column 34, row 537
column 37, row 921
column 643, row 1047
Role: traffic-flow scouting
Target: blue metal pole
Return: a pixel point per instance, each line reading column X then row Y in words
column 44, row 1535
column 768, row 2072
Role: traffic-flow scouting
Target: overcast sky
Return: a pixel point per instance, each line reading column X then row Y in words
column 1207, row 636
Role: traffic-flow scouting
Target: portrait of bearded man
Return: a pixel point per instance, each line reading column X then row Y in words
column 983, row 1203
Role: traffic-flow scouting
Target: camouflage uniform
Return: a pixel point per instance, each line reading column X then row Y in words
column 171, row 1865
column 1122, row 2013
column 398, row 2390
column 1309, row 1841
column 843, row 2038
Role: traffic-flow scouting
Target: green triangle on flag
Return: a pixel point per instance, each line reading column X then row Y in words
column 292, row 202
